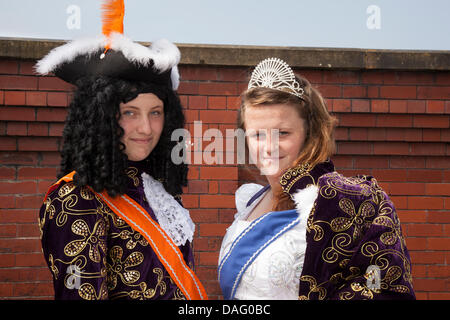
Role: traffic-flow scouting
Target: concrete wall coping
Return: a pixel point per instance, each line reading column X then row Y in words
column 299, row 57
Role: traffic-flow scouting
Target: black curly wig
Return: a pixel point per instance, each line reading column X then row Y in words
column 92, row 134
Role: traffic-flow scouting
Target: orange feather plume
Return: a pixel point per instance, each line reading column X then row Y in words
column 113, row 12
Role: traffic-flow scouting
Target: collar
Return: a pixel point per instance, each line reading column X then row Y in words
column 301, row 176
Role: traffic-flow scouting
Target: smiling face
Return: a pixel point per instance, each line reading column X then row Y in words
column 275, row 136
column 142, row 120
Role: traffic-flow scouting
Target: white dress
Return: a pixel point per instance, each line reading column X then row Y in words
column 275, row 273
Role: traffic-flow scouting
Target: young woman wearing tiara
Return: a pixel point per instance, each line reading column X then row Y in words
column 310, row 233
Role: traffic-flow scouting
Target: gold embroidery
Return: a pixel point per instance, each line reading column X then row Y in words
column 95, row 239
column 133, row 236
column 349, row 229
column 87, row 292
column 298, row 172
column 131, row 173
column 357, row 220
column 120, row 269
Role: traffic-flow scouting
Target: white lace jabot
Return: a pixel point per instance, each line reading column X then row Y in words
column 172, row 217
column 275, row 273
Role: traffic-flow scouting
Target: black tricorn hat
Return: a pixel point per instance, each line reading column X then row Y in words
column 114, row 55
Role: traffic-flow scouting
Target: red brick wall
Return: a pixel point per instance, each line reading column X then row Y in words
column 392, row 124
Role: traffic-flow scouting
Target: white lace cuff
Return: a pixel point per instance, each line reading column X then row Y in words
column 172, row 217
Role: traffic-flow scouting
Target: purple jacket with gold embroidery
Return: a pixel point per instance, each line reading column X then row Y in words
column 355, row 248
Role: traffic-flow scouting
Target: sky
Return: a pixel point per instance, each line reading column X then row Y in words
column 368, row 24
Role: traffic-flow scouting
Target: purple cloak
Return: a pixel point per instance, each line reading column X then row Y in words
column 352, row 230
column 93, row 254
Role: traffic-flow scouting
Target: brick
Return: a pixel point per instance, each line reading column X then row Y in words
column 414, row 244
column 8, row 144
column 8, row 231
column 27, row 67
column 217, row 102
column 217, row 88
column 341, row 77
column 28, row 202
column 232, row 74
column 9, row 67
column 15, row 98
column 17, row 187
column 377, row 134
column 392, row 148
column 35, row 98
column 359, row 105
column 438, row 244
column 354, row 92
column 341, row 105
column 424, row 175
column 213, row 187
column 435, row 106
column 372, row 77
column 198, row 186
column 357, row 120
column 53, row 84
column 188, row 88
column 38, row 144
column 398, row 92
column 431, row 135
column 198, row 102
column 16, row 129
column 413, row 77
column 428, row 149
column 394, row 120
column 429, row 285
column 190, row 201
column 390, row 174
column 414, row 216
column 57, row 99
column 380, row 106
column 17, row 114
column 17, row 158
column 425, row 203
column 233, row 103
column 204, row 215
column 407, row 162
column 10, row 215
column 18, row 82
column 437, row 189
column 330, row 91
column 401, row 188
column 38, row 129
column 29, row 173
column 198, row 73
column 217, row 201
column 431, row 121
column 55, row 129
column 218, row 116
column 373, row 92
column 51, row 114
column 213, row 229
column 416, row 106
column 398, row 106
column 432, row 92
column 7, row 173
column 219, row 173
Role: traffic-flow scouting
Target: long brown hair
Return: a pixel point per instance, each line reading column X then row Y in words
column 319, row 143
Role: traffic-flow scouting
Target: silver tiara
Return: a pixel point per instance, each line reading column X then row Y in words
column 276, row 74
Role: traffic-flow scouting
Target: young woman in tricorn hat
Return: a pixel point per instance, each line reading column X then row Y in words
column 113, row 226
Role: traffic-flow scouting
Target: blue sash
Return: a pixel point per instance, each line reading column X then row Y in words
column 249, row 244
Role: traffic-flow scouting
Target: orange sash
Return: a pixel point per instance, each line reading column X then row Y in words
column 168, row 253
